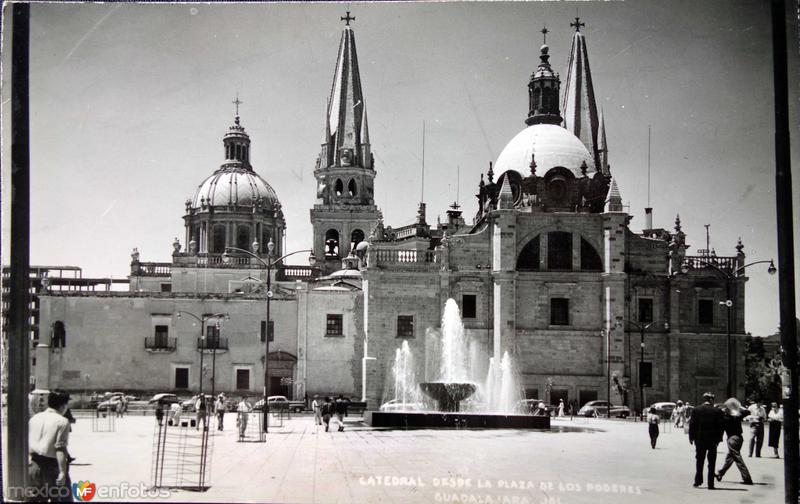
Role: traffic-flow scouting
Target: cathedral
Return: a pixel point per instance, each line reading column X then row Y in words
column 546, row 269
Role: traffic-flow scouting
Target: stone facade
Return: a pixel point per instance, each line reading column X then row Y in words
column 548, row 271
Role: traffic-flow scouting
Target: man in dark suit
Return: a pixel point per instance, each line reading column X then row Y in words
column 705, row 432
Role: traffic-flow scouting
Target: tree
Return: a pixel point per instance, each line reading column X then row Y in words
column 762, row 379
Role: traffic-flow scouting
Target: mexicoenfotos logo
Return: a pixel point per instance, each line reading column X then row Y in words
column 84, row 490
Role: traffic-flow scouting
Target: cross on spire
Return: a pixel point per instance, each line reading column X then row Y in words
column 545, row 31
column 577, row 24
column 237, row 102
column 347, row 18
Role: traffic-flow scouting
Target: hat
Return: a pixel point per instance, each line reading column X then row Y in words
column 708, row 396
column 541, row 405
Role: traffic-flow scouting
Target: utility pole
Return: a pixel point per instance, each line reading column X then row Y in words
column 783, row 204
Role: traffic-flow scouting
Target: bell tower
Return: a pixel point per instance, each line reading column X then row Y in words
column 345, row 210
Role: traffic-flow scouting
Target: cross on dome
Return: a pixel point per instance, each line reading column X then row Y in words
column 237, row 102
column 577, row 24
column 545, row 31
column 347, row 18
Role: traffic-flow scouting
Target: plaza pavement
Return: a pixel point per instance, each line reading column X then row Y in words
column 580, row 461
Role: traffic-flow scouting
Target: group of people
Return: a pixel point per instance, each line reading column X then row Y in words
column 706, row 425
column 326, row 410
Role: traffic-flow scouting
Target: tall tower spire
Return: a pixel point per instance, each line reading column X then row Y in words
column 602, row 147
column 579, row 105
column 345, row 211
column 543, row 91
column 346, row 138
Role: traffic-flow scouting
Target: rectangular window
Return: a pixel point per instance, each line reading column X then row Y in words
column 405, row 326
column 264, row 330
column 161, row 336
column 181, row 377
column 559, row 311
column 559, row 250
column 469, row 306
column 334, row 325
column 705, row 311
column 212, row 336
column 531, row 393
column 242, row 379
column 645, row 310
column 166, row 287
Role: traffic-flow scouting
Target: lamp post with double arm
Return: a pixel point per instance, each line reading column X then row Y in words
column 202, row 342
column 729, row 303
column 268, row 265
column 642, row 329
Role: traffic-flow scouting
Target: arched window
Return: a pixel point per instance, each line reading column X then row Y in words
column 528, row 259
column 351, row 188
column 332, row 243
column 59, row 339
column 590, row 259
column 218, row 240
column 356, row 237
column 537, row 99
column 339, row 187
column 243, row 237
column 559, row 251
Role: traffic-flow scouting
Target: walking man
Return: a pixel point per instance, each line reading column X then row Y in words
column 242, row 412
column 202, row 411
column 705, row 431
column 317, row 408
column 219, row 407
column 758, row 415
column 340, row 408
column 48, row 435
column 327, row 410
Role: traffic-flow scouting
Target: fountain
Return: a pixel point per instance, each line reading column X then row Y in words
column 452, row 387
column 493, row 401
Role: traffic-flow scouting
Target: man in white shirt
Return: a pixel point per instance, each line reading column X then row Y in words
column 48, row 435
column 219, row 408
column 317, row 408
column 758, row 415
column 243, row 411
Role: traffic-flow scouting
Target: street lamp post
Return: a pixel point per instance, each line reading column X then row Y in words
column 642, row 329
column 268, row 264
column 730, row 278
column 203, row 319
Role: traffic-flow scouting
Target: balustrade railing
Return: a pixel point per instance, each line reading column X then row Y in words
column 160, row 343
column 397, row 256
column 727, row 264
column 151, row 269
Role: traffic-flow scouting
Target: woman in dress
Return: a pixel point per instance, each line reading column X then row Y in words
column 734, row 413
column 775, row 418
column 652, row 426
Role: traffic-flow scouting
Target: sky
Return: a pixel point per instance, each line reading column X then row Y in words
column 129, row 103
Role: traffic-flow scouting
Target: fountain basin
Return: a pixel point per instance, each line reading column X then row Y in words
column 448, row 396
column 436, row 420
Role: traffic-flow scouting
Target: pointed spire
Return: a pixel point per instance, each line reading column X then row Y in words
column 602, row 148
column 579, row 107
column 506, row 195
column 614, row 199
column 347, row 138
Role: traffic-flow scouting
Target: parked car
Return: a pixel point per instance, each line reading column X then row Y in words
column 109, row 404
column 601, row 408
column 663, row 409
column 164, row 398
column 397, row 405
column 281, row 402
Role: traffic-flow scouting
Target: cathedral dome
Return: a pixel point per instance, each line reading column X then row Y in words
column 550, row 146
column 235, row 185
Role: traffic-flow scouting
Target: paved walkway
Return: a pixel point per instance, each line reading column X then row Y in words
column 581, row 461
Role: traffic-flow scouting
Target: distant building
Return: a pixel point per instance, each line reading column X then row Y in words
column 548, row 270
